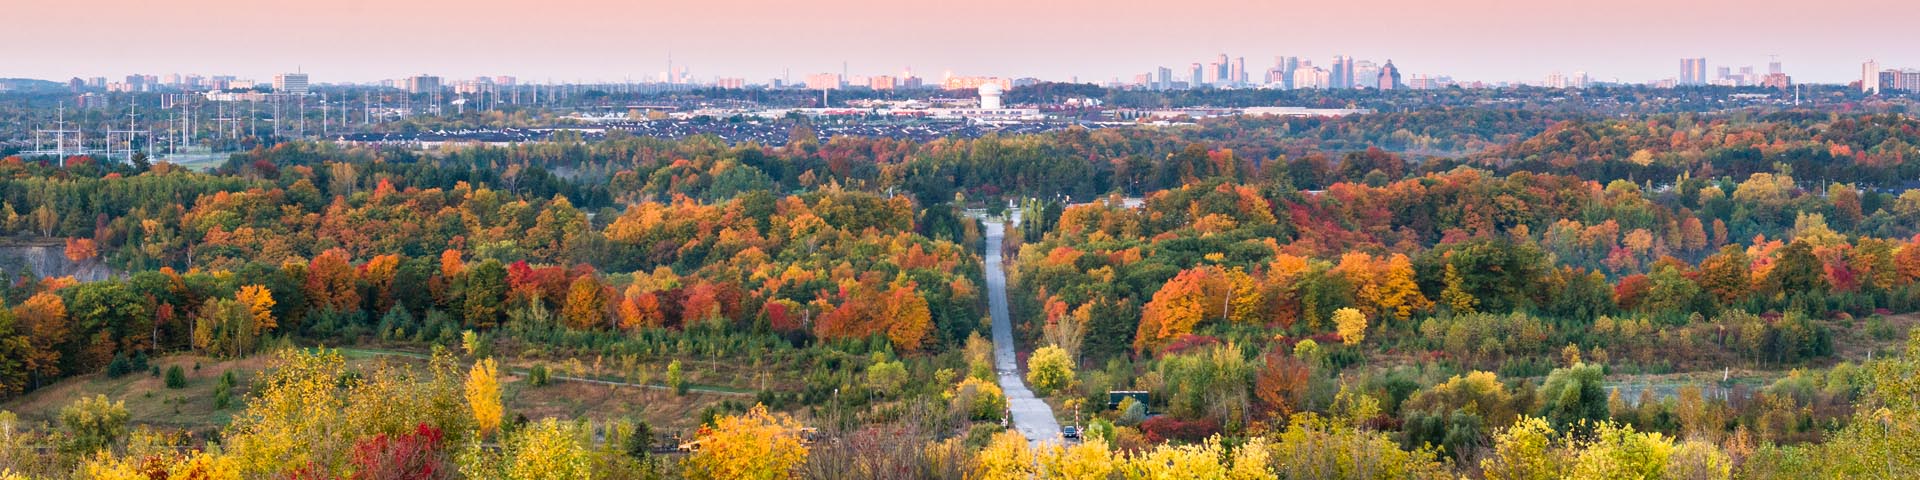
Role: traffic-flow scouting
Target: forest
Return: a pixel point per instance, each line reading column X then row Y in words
column 1452, row 292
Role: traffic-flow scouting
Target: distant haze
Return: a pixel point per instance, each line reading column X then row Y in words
column 616, row 40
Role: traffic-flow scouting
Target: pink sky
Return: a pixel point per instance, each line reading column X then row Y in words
column 610, row 40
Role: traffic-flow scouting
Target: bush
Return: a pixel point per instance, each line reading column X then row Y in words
column 1879, row 329
column 176, row 377
column 1164, row 428
column 538, row 376
column 119, row 367
column 223, row 391
column 676, row 378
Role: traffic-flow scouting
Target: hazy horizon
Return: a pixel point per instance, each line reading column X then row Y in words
column 588, row 40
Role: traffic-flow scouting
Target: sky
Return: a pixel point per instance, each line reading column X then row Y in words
column 1091, row 40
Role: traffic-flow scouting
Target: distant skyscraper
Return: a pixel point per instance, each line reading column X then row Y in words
column 1870, row 77
column 1343, row 73
column 290, row 83
column 1390, row 77
column 1283, row 67
column 1163, row 79
column 1693, row 71
column 1195, row 76
column 423, row 84
column 1307, row 77
column 1338, row 73
column 1222, row 71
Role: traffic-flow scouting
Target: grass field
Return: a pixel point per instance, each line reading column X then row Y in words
column 600, row 398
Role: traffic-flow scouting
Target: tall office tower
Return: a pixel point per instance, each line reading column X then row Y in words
column 290, row 83
column 1693, row 71
column 1352, row 72
column 1239, row 70
column 1195, row 75
column 1390, row 77
column 1216, row 74
column 1338, row 72
column 1163, row 79
column 1222, row 70
column 1307, row 77
column 1286, row 66
column 1870, row 77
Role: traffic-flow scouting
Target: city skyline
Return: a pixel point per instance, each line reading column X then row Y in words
column 585, row 41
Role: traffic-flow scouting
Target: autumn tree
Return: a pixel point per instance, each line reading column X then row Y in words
column 483, row 395
column 81, row 249
column 1352, row 325
column 330, row 282
column 586, row 305
column 549, row 449
column 486, row 291
column 754, row 445
column 259, row 303
column 1175, row 310
column 43, row 318
column 1282, row 381
column 1049, row 369
column 1006, row 456
column 1455, row 296
column 93, row 424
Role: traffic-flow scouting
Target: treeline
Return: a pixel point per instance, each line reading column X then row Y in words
column 828, row 266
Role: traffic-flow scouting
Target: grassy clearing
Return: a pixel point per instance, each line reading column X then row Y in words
column 150, row 403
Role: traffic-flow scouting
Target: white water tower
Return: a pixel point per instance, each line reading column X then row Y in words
column 990, row 96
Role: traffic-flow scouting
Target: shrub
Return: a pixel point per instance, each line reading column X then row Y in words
column 119, row 367
column 1163, row 428
column 538, row 376
column 676, row 378
column 223, row 391
column 176, row 377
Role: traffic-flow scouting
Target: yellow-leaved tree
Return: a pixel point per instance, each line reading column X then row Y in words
column 1049, row 369
column 755, row 445
column 548, row 450
column 1088, row 460
column 1005, row 457
column 1352, row 325
column 1183, row 461
column 259, row 303
column 483, row 396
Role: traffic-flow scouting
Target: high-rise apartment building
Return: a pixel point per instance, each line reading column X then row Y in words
column 823, row 81
column 1693, row 71
column 419, row 84
column 290, row 83
column 1870, row 77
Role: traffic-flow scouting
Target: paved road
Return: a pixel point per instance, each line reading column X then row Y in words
column 1031, row 416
